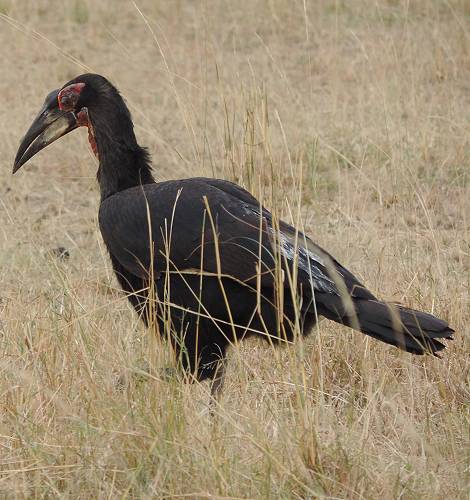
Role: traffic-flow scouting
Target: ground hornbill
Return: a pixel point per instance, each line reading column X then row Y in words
column 219, row 266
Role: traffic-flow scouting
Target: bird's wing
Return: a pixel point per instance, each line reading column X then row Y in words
column 209, row 225
column 317, row 268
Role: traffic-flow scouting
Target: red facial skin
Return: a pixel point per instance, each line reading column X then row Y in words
column 84, row 121
column 68, row 96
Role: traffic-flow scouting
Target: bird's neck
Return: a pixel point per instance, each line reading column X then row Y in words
column 122, row 162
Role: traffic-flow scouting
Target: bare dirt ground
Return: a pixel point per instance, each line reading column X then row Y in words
column 354, row 115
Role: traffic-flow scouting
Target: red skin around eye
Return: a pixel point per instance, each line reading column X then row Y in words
column 67, row 99
column 68, row 96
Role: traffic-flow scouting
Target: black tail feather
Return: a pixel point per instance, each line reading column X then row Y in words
column 413, row 331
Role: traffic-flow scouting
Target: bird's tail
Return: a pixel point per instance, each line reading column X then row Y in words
column 413, row 331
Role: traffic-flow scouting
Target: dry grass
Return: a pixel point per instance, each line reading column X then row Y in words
column 362, row 108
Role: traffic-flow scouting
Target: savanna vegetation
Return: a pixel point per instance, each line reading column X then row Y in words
column 350, row 119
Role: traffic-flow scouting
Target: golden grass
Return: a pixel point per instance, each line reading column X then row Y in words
column 357, row 110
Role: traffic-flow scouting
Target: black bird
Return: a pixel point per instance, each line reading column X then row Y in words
column 201, row 257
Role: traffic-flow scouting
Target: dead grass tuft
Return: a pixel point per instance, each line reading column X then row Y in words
column 357, row 110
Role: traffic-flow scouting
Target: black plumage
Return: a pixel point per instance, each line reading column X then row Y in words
column 220, row 266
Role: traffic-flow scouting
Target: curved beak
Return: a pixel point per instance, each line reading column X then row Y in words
column 49, row 125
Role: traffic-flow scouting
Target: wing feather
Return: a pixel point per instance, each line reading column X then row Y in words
column 207, row 224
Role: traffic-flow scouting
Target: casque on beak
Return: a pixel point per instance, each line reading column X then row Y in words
column 49, row 125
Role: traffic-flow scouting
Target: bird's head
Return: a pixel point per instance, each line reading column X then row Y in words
column 87, row 100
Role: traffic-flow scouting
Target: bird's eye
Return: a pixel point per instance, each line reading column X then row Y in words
column 68, row 96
